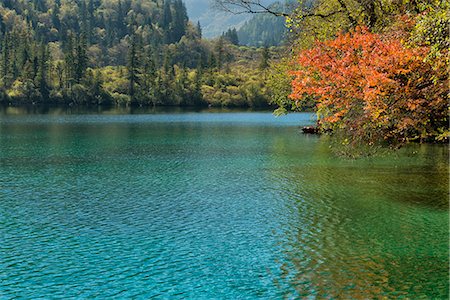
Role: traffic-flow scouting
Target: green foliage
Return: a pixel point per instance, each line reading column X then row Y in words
column 279, row 85
column 323, row 19
column 264, row 61
column 25, row 90
column 265, row 30
column 231, row 36
column 432, row 29
column 385, row 84
column 124, row 52
column 240, row 87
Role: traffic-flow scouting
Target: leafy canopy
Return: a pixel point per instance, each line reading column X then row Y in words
column 372, row 87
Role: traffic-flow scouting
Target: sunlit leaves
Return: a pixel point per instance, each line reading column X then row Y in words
column 372, row 87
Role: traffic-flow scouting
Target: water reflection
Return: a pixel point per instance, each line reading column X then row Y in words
column 204, row 206
column 114, row 110
column 362, row 229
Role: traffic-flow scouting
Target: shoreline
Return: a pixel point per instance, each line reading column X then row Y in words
column 6, row 109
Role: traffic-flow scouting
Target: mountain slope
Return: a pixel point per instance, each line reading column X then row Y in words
column 213, row 21
column 265, row 29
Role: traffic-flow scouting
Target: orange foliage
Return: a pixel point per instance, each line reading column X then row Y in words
column 372, row 86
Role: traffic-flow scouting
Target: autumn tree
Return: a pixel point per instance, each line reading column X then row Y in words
column 372, row 88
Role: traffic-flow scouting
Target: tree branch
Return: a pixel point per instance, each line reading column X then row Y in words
column 347, row 13
column 247, row 6
column 256, row 7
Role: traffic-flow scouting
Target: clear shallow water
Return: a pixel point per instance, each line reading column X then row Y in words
column 213, row 206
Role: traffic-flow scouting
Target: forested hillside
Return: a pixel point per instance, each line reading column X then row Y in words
column 102, row 25
column 266, row 29
column 213, row 20
column 115, row 51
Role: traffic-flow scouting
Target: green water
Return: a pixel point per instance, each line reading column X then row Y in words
column 213, row 206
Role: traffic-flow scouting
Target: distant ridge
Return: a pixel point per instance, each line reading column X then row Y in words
column 213, row 21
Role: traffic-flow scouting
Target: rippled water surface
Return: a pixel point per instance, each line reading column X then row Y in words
column 213, row 206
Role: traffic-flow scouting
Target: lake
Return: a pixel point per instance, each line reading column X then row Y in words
column 213, row 205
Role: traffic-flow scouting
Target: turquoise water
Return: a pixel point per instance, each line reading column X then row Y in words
column 213, row 206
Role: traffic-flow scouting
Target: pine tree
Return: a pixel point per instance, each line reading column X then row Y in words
column 166, row 21
column 219, row 48
column 41, row 78
column 35, row 67
column 69, row 62
column 2, row 26
column 234, row 37
column 212, row 62
column 179, row 21
column 132, row 68
column 199, row 30
column 91, row 20
column 55, row 15
column 169, row 70
column 198, row 81
column 120, row 22
column 81, row 58
column 25, row 53
column 59, row 69
column 149, row 75
column 166, row 15
column 231, row 36
column 5, row 55
column 265, row 56
column 15, row 67
column 182, row 85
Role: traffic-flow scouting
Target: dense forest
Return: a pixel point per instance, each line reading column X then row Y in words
column 126, row 52
column 263, row 30
column 266, row 29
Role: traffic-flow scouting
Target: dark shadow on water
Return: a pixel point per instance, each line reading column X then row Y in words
column 116, row 110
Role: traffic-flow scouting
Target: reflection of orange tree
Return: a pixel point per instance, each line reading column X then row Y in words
column 353, row 229
column 319, row 253
column 322, row 254
column 373, row 88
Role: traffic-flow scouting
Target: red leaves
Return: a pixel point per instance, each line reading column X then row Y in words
column 367, row 80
